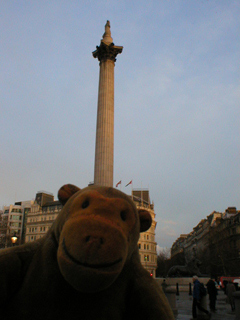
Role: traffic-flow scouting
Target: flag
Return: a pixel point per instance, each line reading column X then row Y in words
column 119, row 182
column 128, row 183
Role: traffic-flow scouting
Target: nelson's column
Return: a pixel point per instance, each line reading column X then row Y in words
column 104, row 149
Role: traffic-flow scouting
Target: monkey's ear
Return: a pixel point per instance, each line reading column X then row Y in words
column 145, row 220
column 66, row 191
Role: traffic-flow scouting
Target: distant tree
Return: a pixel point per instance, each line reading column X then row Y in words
column 163, row 262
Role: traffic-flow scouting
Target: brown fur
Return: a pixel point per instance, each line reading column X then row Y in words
column 86, row 267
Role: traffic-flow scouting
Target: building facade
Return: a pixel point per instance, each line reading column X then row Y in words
column 3, row 229
column 217, row 239
column 13, row 223
column 43, row 212
column 146, row 244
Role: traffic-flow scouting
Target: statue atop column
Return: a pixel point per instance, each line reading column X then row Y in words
column 107, row 34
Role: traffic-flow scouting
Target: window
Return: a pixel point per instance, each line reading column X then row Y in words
column 14, row 217
column 16, row 210
column 15, row 224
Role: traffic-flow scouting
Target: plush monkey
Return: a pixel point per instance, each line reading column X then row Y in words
column 86, row 267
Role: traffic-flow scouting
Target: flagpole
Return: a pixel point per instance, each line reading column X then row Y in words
column 148, row 197
column 132, row 190
column 119, row 182
column 132, row 187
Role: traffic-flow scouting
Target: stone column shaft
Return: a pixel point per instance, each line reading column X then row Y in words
column 104, row 149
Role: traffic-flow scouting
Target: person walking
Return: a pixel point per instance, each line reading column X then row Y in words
column 212, row 292
column 197, row 299
column 229, row 291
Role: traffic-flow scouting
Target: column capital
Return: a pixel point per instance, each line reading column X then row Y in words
column 107, row 52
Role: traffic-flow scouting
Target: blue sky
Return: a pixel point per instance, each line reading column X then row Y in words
column 177, row 93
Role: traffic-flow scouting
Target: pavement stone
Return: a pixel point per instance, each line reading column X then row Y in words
column 184, row 306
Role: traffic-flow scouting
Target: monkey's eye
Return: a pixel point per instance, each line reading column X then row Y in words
column 85, row 204
column 123, row 215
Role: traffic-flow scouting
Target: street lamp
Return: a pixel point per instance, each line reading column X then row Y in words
column 14, row 239
column 145, row 259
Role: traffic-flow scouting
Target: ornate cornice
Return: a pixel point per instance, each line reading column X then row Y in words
column 107, row 52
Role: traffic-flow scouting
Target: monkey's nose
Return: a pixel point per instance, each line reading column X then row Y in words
column 94, row 240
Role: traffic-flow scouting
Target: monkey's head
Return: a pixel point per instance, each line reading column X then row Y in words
column 97, row 232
